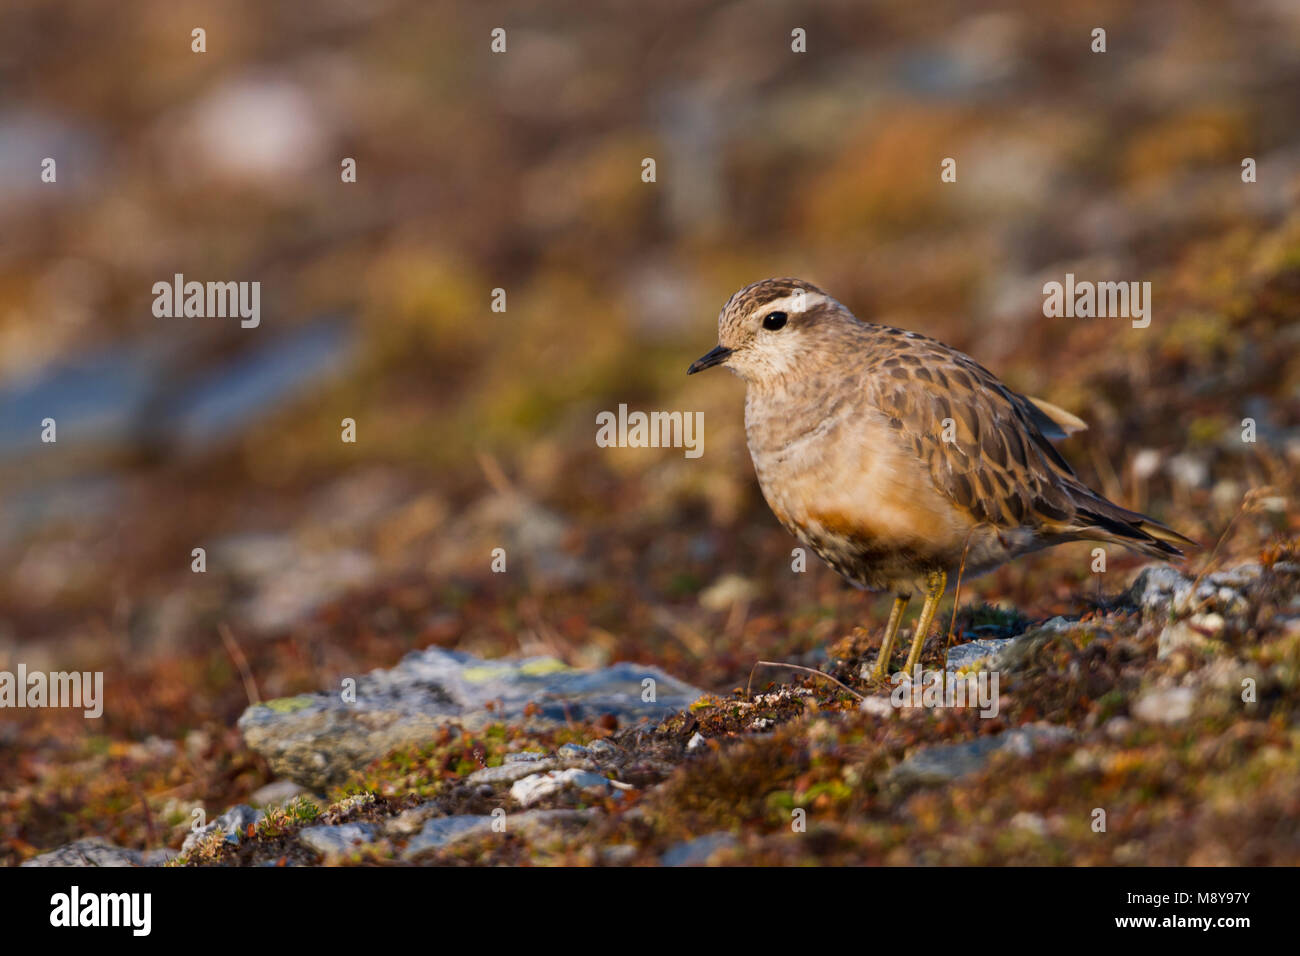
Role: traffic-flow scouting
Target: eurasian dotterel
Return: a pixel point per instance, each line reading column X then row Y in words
column 896, row 458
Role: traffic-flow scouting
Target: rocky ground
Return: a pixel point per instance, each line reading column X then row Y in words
column 1158, row 729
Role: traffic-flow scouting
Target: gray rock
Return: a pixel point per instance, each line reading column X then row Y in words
column 1240, row 577
column 338, row 840
column 509, row 772
column 233, row 823
column 1162, row 590
column 976, row 652
column 95, row 851
column 571, row 752
column 1056, row 625
column 443, row 830
column 602, row 749
column 158, row 857
column 538, row 787
column 278, row 793
column 532, row 825
column 1020, row 650
column 525, row 756
column 315, row 739
column 1157, row 586
column 944, row 762
column 699, row 851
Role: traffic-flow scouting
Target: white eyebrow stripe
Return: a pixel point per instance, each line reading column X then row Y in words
column 809, row 301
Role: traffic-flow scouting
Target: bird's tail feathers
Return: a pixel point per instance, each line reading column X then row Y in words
column 1097, row 519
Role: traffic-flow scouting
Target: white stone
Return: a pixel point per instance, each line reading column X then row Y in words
column 539, row 786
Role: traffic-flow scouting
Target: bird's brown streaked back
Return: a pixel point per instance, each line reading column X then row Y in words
column 984, row 447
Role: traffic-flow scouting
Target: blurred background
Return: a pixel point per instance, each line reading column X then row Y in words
column 475, row 429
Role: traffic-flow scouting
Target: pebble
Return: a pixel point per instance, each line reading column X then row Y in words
column 977, row 652
column 278, row 793
column 525, row 756
column 539, row 786
column 338, row 840
column 1165, row 705
column 944, row 762
column 443, row 830
column 95, row 851
column 509, row 772
column 532, row 824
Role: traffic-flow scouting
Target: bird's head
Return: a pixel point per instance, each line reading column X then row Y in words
column 765, row 328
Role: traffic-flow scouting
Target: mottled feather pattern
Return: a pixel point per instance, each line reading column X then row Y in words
column 997, row 466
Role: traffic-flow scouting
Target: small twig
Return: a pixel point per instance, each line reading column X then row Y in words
column 495, row 475
column 798, row 667
column 1247, row 500
column 250, row 686
column 956, row 594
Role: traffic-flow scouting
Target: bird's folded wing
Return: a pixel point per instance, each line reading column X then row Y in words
column 981, row 440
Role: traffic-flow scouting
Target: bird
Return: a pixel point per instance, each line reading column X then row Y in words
column 899, row 460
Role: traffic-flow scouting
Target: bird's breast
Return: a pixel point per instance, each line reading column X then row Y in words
column 838, row 477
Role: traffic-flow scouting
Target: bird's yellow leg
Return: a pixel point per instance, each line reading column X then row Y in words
column 891, row 632
column 935, row 583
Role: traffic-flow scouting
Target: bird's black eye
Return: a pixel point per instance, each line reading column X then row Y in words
column 774, row 320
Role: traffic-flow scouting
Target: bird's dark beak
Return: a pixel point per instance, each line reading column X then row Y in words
column 715, row 357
